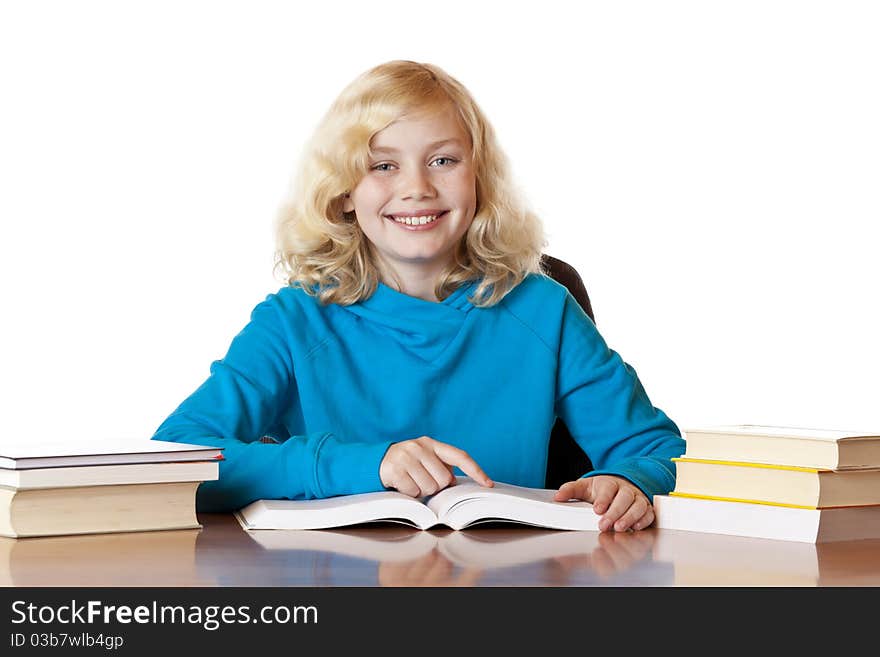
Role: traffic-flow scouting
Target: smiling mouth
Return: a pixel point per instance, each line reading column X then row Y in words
column 417, row 221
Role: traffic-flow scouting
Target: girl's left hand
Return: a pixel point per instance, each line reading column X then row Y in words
column 620, row 503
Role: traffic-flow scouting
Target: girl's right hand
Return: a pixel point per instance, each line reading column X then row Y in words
column 423, row 466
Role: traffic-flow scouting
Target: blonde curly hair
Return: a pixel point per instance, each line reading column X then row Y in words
column 323, row 250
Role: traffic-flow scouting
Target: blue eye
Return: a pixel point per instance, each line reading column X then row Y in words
column 448, row 159
column 381, row 166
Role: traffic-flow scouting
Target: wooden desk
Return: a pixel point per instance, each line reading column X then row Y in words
column 222, row 554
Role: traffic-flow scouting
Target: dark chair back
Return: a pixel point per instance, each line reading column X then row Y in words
column 566, row 461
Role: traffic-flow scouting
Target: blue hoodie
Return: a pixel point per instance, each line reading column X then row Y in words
column 336, row 385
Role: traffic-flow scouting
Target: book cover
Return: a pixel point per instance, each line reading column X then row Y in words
column 61, row 453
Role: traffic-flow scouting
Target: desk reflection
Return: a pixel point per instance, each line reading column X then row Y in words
column 222, row 554
column 716, row 560
column 161, row 558
column 384, row 555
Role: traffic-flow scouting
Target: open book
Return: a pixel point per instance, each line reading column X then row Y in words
column 462, row 505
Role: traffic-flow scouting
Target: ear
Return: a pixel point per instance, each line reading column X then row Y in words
column 347, row 205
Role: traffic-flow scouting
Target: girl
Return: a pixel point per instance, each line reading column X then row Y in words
column 417, row 332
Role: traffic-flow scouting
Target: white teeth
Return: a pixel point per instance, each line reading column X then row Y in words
column 415, row 221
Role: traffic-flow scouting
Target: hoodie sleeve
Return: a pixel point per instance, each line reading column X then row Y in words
column 236, row 406
column 606, row 409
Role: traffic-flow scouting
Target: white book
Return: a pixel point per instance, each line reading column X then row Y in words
column 109, row 475
column 765, row 520
column 64, row 453
column 462, row 505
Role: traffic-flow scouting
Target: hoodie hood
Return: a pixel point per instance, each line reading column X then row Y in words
column 422, row 327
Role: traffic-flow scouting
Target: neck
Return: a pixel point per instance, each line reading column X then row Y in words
column 413, row 280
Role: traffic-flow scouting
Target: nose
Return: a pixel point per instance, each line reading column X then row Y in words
column 416, row 184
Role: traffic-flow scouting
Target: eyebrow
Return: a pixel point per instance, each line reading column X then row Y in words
column 384, row 149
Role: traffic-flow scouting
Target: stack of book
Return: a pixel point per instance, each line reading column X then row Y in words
column 101, row 486
column 783, row 483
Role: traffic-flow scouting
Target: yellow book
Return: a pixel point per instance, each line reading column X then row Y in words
column 808, row 488
column 98, row 509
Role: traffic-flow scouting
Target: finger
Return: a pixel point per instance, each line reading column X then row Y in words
column 622, row 501
column 580, row 489
column 604, row 492
column 437, row 469
column 646, row 519
column 426, row 483
column 637, row 509
column 405, row 484
column 461, row 459
column 410, row 461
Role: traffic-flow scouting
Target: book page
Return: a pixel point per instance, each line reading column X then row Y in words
column 339, row 511
column 466, row 488
column 467, row 503
column 339, row 502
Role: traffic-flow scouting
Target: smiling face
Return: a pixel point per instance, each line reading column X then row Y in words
column 419, row 196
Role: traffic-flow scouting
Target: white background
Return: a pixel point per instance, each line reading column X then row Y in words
column 710, row 168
